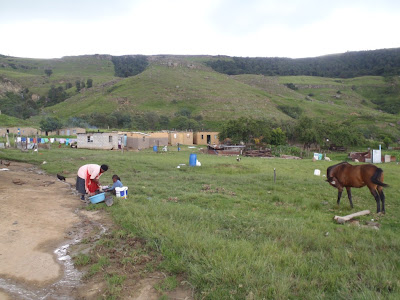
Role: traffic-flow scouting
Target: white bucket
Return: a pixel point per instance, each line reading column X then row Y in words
column 121, row 192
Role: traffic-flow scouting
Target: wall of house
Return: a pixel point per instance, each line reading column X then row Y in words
column 65, row 131
column 24, row 131
column 106, row 141
column 200, row 138
column 138, row 143
column 183, row 138
column 158, row 139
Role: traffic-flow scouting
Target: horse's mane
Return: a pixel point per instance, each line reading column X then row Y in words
column 329, row 170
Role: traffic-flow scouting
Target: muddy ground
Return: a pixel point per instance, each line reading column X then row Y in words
column 43, row 224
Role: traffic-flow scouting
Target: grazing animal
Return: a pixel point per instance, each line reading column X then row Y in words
column 345, row 175
column 7, row 163
column 60, row 177
column 238, row 158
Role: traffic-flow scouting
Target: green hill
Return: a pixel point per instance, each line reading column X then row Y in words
column 171, row 85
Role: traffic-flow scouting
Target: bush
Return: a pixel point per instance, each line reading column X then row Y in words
column 292, row 111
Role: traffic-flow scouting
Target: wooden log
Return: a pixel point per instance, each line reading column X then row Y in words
column 342, row 220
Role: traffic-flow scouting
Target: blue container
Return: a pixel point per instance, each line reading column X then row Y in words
column 97, row 198
column 192, row 160
column 155, row 148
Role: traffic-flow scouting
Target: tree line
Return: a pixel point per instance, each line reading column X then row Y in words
column 129, row 65
column 384, row 62
column 305, row 131
column 182, row 120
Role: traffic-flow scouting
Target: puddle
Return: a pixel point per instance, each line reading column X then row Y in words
column 64, row 288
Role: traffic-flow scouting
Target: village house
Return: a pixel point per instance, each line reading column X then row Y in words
column 206, row 138
column 158, row 139
column 22, row 131
column 183, row 138
column 66, row 131
column 98, row 140
column 137, row 140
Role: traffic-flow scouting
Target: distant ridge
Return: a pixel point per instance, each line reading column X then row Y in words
column 383, row 62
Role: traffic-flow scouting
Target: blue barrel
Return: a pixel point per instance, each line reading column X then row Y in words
column 155, row 148
column 192, row 160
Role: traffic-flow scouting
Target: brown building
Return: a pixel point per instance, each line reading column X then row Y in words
column 158, row 139
column 65, row 131
column 183, row 138
column 206, row 138
column 23, row 131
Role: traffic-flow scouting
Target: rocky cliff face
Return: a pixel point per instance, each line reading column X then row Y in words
column 6, row 85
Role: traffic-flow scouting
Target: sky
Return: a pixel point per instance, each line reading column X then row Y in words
column 246, row 28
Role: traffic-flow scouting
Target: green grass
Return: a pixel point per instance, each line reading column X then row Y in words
column 30, row 72
column 98, row 266
column 13, row 122
column 215, row 97
column 167, row 284
column 233, row 232
column 82, row 259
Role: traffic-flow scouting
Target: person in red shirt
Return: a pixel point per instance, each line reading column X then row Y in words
column 87, row 180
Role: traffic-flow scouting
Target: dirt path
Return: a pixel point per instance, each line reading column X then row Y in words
column 41, row 220
column 35, row 214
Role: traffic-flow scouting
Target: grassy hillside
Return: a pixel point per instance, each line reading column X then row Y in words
column 165, row 90
column 330, row 99
column 173, row 83
column 30, row 73
column 11, row 121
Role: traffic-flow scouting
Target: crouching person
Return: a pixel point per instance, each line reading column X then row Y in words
column 116, row 183
column 87, row 180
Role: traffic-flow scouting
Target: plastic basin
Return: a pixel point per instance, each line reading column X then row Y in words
column 97, row 198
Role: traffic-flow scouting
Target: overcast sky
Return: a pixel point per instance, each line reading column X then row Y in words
column 249, row 28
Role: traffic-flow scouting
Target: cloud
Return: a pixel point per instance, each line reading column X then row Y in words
column 227, row 27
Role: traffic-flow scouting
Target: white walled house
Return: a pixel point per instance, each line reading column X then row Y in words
column 98, row 140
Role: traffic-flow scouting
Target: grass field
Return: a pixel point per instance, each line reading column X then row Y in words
column 234, row 233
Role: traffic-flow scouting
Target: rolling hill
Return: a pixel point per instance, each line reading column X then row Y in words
column 171, row 84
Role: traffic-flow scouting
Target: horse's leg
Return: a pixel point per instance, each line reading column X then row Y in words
column 349, row 195
column 382, row 196
column 376, row 196
column 339, row 195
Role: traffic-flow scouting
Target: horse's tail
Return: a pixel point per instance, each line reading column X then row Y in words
column 376, row 177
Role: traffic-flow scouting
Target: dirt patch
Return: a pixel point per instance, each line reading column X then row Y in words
column 33, row 219
column 45, row 227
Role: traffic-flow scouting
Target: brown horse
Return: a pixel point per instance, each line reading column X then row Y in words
column 348, row 176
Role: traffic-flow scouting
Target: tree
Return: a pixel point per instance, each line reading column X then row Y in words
column 152, row 120
column 184, row 112
column 50, row 124
column 180, row 123
column 164, row 122
column 48, row 72
column 89, row 83
column 278, row 137
column 246, row 130
column 387, row 140
column 306, row 132
column 129, row 65
column 78, row 85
